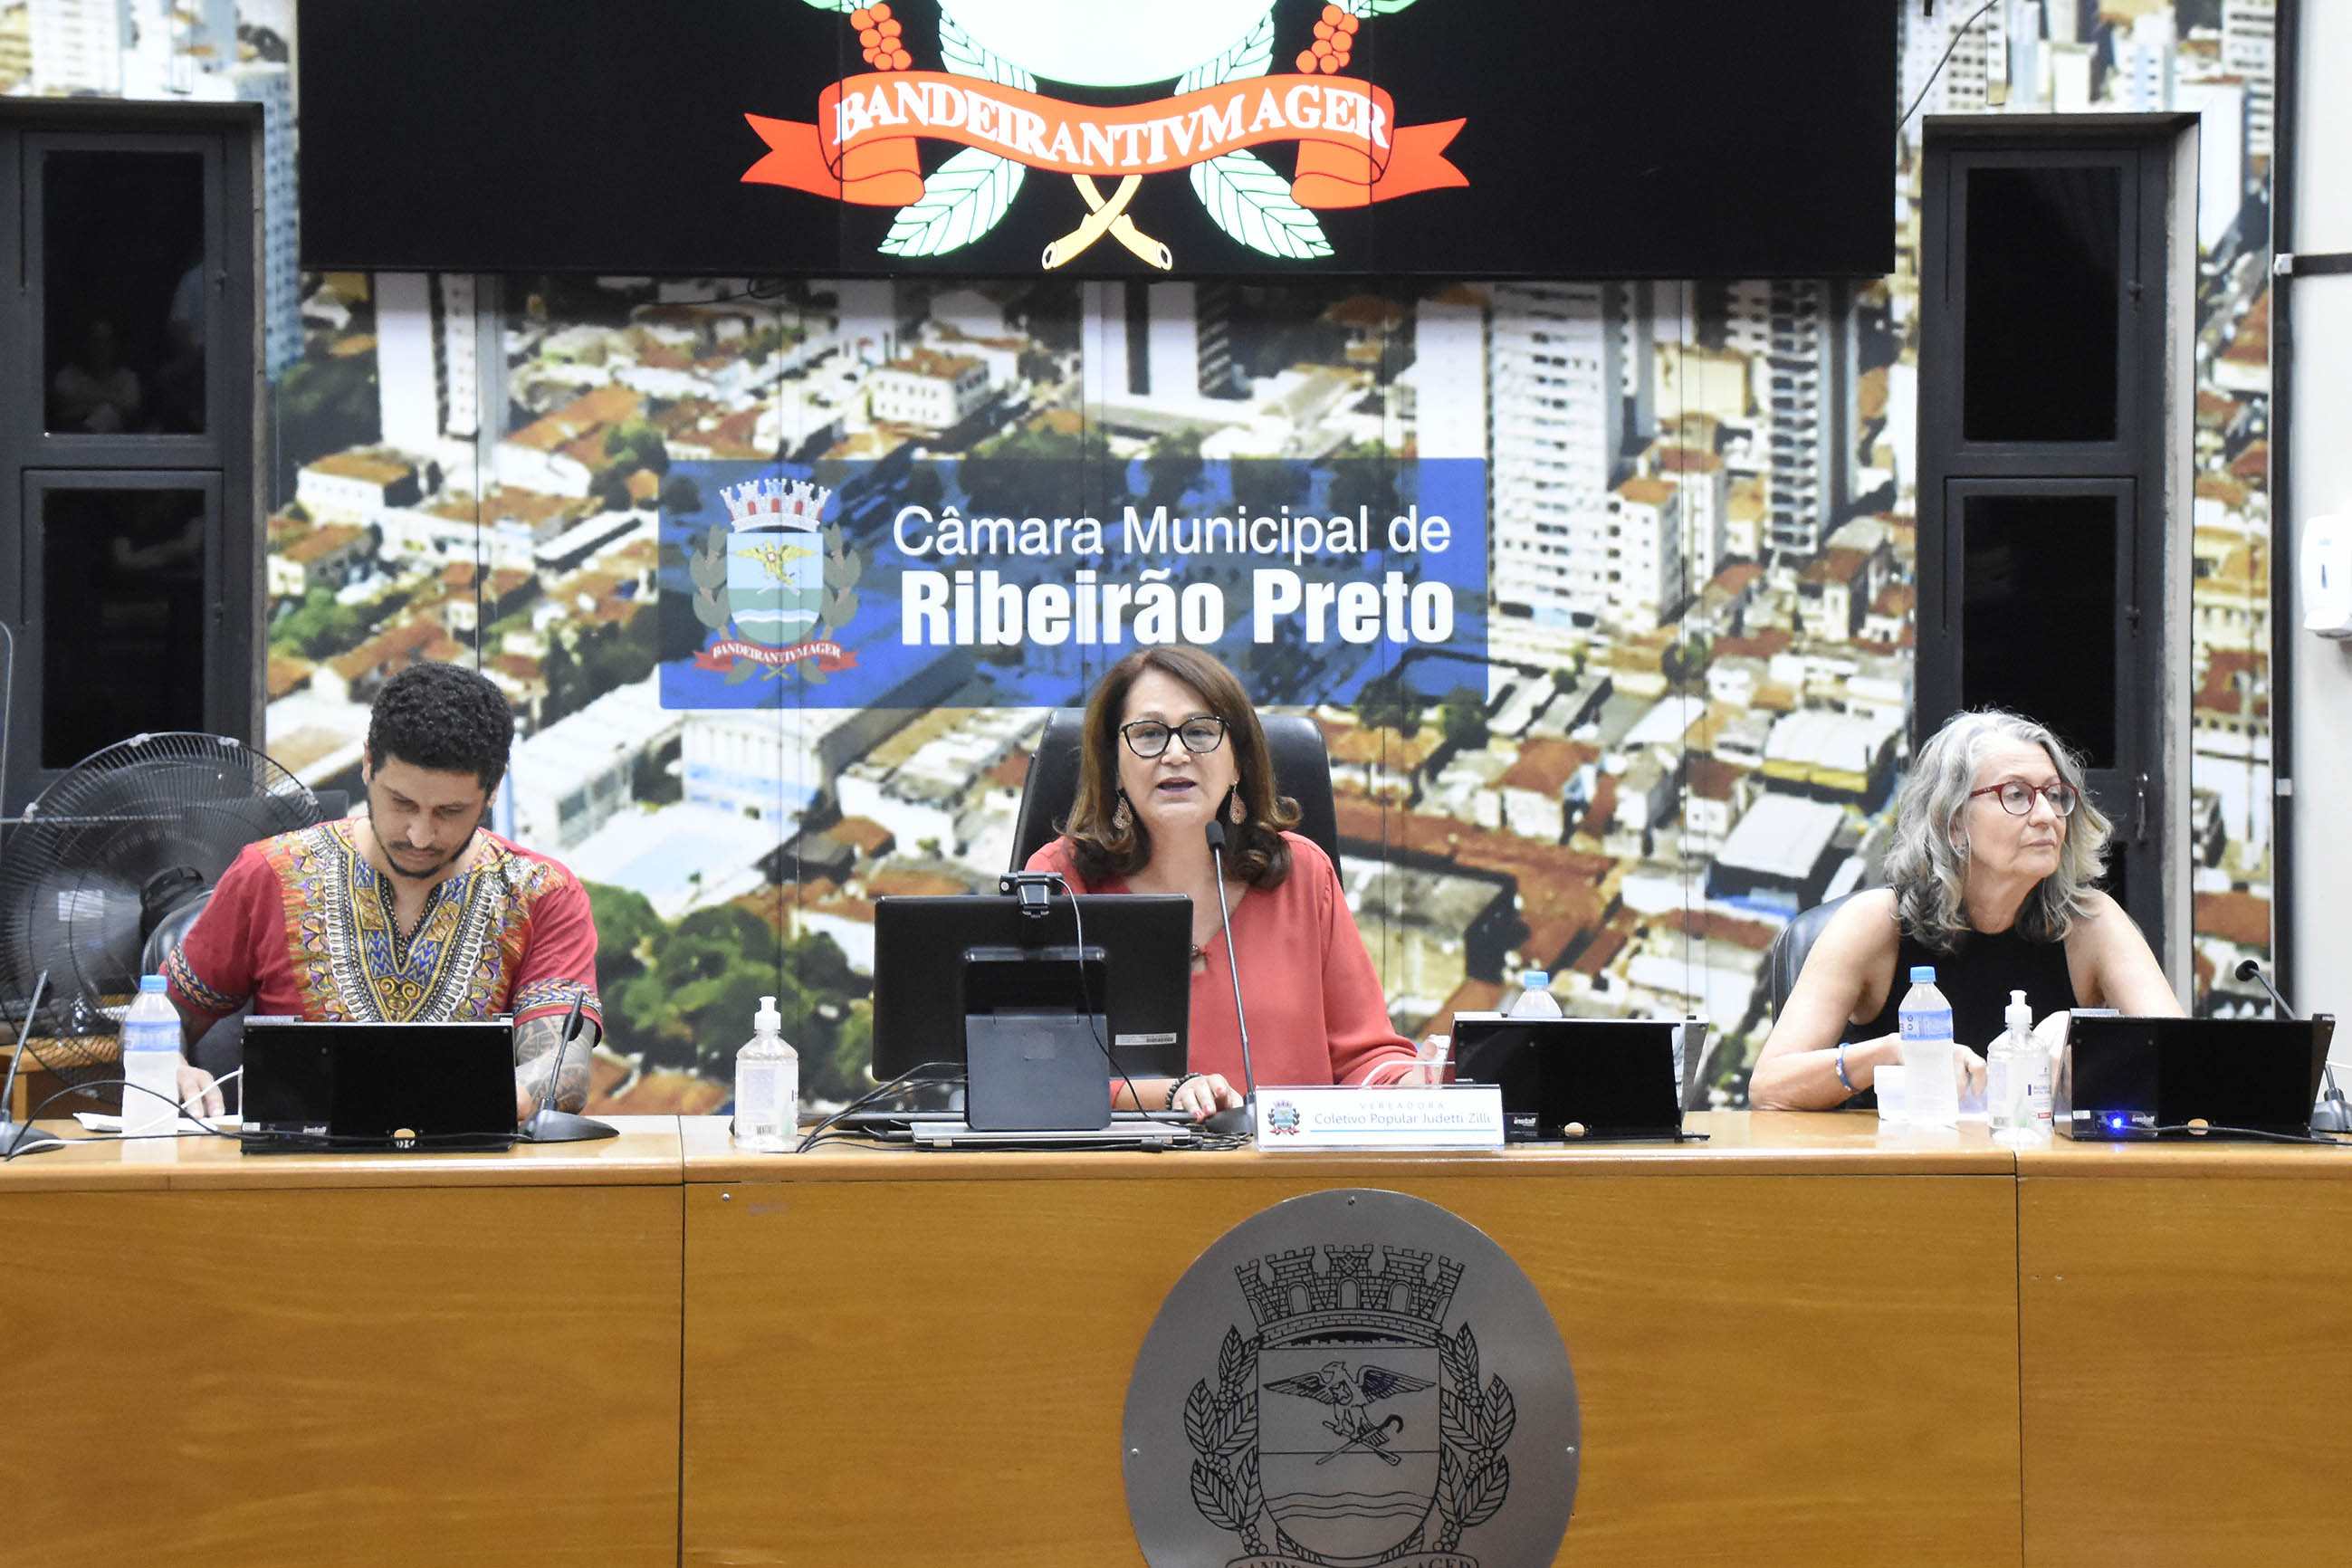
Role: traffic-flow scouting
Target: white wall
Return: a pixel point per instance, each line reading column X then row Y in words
column 2320, row 477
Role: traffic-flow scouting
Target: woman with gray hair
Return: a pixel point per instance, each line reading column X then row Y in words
column 1996, row 848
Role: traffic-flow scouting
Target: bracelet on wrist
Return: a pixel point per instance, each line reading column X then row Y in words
column 1841, row 1068
column 1176, row 1087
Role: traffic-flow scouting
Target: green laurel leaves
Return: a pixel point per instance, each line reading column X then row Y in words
column 1253, row 55
column 1253, row 204
column 1243, row 196
column 707, row 568
column 964, row 56
column 843, row 567
column 962, row 199
column 972, row 191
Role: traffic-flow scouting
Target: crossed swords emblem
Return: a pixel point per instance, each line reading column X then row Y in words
column 1352, row 1396
column 1108, row 217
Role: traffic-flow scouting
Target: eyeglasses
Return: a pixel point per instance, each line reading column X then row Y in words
column 1147, row 738
column 2016, row 796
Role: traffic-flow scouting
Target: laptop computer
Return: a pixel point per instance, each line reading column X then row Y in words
column 1579, row 1077
column 2124, row 1076
column 345, row 1087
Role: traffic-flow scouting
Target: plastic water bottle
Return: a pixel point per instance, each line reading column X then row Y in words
column 2009, row 1066
column 767, row 1086
column 1931, row 1092
column 1535, row 999
column 150, row 1061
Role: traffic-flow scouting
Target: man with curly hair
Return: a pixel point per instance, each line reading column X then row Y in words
column 412, row 912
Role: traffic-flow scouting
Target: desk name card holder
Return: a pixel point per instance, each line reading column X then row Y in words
column 1328, row 1116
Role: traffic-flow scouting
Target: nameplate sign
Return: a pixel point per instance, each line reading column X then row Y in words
column 1330, row 1116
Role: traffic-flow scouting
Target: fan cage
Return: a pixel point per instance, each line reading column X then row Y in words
column 118, row 841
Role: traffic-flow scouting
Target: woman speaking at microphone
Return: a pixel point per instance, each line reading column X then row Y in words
column 1171, row 744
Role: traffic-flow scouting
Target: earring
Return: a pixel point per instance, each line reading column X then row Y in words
column 1237, row 811
column 1120, row 818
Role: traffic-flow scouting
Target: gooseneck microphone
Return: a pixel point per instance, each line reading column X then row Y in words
column 27, row 1139
column 2331, row 1114
column 549, row 1125
column 2251, row 969
column 1233, row 959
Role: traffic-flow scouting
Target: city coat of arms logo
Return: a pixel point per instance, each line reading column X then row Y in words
column 864, row 144
column 1348, row 1416
column 780, row 578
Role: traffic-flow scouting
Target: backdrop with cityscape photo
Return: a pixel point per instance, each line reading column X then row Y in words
column 1663, row 705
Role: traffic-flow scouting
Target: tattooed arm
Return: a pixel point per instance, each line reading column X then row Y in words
column 538, row 1046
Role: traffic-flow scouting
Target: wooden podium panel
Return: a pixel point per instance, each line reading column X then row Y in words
column 306, row 1359
column 2187, row 1316
column 1781, row 1356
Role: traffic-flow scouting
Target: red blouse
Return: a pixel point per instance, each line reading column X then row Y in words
column 301, row 925
column 1316, row 1011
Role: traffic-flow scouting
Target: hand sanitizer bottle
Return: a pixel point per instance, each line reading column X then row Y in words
column 2035, row 1067
column 767, row 1086
column 2008, row 1072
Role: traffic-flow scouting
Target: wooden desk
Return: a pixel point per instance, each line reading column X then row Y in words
column 1795, row 1344
column 215, row 1358
column 1801, row 1342
column 2187, row 1363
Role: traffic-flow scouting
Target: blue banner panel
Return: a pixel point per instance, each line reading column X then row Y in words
column 897, row 583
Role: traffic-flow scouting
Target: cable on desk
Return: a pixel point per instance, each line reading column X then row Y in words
column 2322, row 1140
column 908, row 1079
column 204, row 1128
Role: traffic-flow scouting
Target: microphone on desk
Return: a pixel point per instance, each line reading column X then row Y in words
column 24, row 1139
column 2331, row 1114
column 549, row 1125
column 1232, row 962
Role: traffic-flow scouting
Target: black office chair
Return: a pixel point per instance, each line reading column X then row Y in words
column 1302, row 770
column 221, row 1051
column 1786, row 959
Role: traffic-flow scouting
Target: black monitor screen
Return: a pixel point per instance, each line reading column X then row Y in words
column 2261, row 1073
column 1674, row 138
column 937, row 959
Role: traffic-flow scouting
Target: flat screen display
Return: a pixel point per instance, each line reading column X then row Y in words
column 937, row 959
column 1570, row 137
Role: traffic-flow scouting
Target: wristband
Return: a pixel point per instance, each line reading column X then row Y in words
column 1841, row 1068
column 1174, row 1088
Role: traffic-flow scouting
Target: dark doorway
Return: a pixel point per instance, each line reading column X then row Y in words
column 131, row 558
column 2046, row 305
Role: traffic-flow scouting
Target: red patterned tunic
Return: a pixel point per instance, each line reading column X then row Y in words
column 302, row 925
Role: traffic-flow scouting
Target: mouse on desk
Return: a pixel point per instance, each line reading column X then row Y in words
column 1232, row 1124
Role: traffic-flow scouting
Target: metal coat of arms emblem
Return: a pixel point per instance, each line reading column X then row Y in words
column 1352, row 1379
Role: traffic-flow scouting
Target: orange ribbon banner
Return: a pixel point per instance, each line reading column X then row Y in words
column 721, row 656
column 863, row 145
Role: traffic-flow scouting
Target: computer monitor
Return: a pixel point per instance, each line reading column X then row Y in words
column 1603, row 1078
column 2122, row 1076
column 939, row 960
column 347, row 1085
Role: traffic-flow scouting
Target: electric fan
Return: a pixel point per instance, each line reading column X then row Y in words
column 109, row 865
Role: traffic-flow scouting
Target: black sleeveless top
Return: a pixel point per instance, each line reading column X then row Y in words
column 1976, row 981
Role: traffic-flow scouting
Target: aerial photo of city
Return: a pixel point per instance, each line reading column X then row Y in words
column 1664, row 706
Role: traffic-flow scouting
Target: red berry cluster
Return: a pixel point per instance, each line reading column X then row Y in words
column 1335, row 38
column 877, row 31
